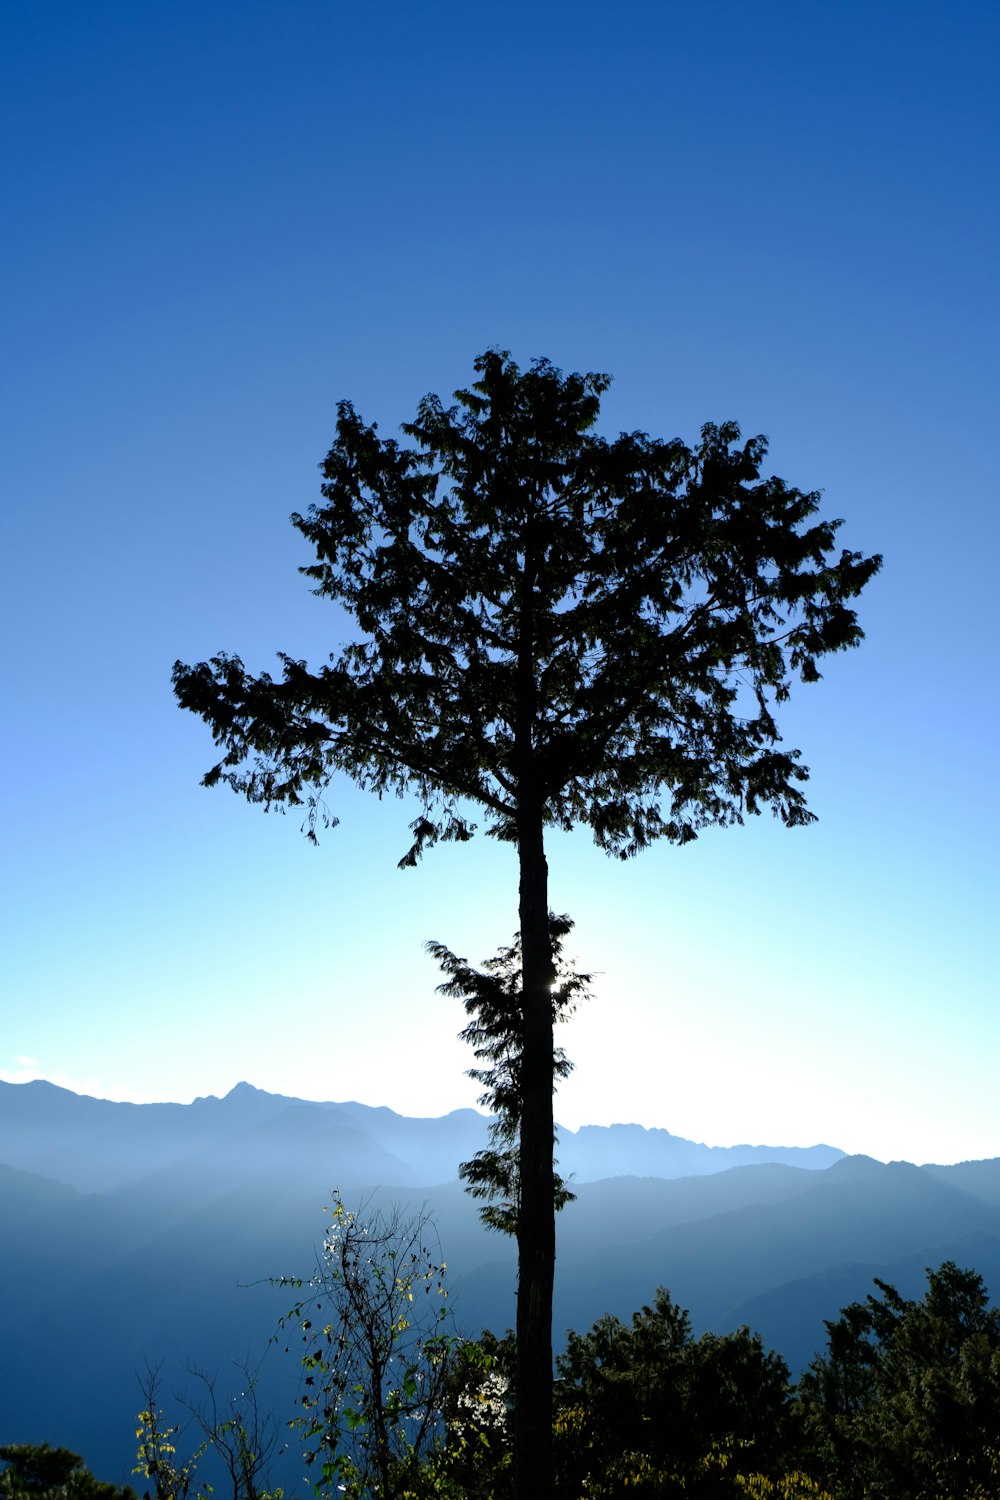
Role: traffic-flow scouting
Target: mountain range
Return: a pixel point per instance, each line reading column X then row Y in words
column 135, row 1235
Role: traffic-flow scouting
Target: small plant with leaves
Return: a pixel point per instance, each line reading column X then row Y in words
column 157, row 1460
column 376, row 1329
column 243, row 1438
column 238, row 1438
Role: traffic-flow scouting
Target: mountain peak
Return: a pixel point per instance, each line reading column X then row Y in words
column 241, row 1097
column 858, row 1165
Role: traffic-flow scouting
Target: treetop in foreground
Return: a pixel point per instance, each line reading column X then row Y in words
column 39, row 1472
column 602, row 625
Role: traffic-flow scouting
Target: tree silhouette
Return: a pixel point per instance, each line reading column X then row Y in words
column 42, row 1473
column 906, row 1401
column 651, row 1391
column 556, row 628
column 492, row 1000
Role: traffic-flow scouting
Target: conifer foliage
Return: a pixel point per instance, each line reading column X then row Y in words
column 492, row 1000
column 39, row 1472
column 553, row 627
column 905, row 1404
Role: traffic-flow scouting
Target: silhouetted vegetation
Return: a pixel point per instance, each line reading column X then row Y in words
column 492, row 1000
column 235, row 1435
column 44, row 1473
column 558, row 629
column 652, row 1390
column 904, row 1404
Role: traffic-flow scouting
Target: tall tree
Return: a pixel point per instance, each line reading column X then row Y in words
column 558, row 628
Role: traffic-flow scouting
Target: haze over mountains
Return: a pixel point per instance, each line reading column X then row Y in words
column 134, row 1233
column 99, row 1146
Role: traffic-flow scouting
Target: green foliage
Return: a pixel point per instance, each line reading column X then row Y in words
column 650, row 1405
column 170, row 1477
column 44, row 1473
column 243, row 1442
column 378, row 1345
column 905, row 1405
column 792, row 1486
column 492, row 997
column 475, row 1460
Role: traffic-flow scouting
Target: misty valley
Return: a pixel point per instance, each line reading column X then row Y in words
column 139, row 1237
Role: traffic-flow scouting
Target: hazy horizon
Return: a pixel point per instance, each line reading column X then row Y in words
column 562, row 1124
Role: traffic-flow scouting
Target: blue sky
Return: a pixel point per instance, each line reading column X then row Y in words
column 223, row 218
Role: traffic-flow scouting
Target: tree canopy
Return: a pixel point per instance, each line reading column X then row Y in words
column 651, row 1389
column 39, row 1472
column 611, row 619
column 905, row 1404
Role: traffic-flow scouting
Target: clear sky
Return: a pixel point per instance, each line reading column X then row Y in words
column 220, row 219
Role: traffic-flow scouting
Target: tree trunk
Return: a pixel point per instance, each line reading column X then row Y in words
column 536, row 1231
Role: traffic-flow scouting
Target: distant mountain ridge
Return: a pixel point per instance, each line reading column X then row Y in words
column 133, row 1233
column 98, row 1145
